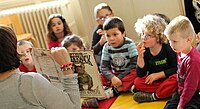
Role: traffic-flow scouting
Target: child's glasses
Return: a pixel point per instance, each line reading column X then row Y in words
column 103, row 18
column 146, row 36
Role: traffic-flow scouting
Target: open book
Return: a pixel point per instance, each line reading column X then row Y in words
column 89, row 81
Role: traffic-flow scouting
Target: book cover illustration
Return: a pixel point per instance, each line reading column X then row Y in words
column 89, row 81
column 90, row 84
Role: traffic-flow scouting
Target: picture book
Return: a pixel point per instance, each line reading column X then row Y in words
column 84, row 63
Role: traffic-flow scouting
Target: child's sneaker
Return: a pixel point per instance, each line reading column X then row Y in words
column 133, row 89
column 143, row 97
column 91, row 103
column 109, row 93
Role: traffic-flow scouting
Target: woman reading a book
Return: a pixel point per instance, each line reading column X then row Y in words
column 31, row 90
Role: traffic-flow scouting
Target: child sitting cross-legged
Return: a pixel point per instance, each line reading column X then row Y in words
column 119, row 58
column 156, row 63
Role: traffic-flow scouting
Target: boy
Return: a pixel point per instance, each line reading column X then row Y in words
column 180, row 33
column 156, row 63
column 119, row 56
column 27, row 64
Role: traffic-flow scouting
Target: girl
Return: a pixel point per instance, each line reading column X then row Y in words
column 58, row 29
column 102, row 11
column 73, row 43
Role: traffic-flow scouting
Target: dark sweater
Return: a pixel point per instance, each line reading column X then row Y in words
column 165, row 61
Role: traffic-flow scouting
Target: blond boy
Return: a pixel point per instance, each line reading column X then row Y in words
column 180, row 33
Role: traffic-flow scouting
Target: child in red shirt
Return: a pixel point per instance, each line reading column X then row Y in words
column 27, row 64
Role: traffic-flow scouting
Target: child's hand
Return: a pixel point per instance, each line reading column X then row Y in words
column 153, row 77
column 179, row 107
column 103, row 40
column 141, row 50
column 100, row 32
column 116, row 82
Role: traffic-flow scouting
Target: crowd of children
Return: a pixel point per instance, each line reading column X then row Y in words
column 163, row 64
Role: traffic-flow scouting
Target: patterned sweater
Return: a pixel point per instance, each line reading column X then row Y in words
column 119, row 60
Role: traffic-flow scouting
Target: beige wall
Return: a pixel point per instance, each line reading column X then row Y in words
column 128, row 10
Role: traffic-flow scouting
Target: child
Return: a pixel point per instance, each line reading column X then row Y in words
column 180, row 33
column 102, row 11
column 75, row 42
column 58, row 29
column 27, row 64
column 156, row 63
column 119, row 57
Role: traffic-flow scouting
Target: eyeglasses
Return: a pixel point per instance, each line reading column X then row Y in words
column 146, row 36
column 103, row 18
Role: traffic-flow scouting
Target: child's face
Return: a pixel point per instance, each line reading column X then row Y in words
column 102, row 15
column 179, row 44
column 25, row 51
column 114, row 37
column 148, row 38
column 57, row 25
column 73, row 47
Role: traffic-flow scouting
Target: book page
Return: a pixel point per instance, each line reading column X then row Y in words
column 47, row 66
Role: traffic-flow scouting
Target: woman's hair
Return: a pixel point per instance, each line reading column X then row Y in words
column 73, row 39
column 114, row 22
column 153, row 24
column 181, row 26
column 50, row 35
column 9, row 58
column 101, row 6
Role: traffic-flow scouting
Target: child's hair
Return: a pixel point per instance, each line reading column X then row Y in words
column 153, row 24
column 73, row 39
column 167, row 19
column 114, row 22
column 100, row 6
column 50, row 35
column 22, row 42
column 181, row 26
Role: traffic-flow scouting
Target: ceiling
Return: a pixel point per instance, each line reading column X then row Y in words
column 6, row 4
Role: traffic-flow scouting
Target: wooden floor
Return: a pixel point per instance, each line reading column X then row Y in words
column 125, row 101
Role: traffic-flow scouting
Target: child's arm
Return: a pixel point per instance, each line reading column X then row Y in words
column 140, row 59
column 97, row 40
column 105, row 66
column 140, row 68
column 190, row 82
